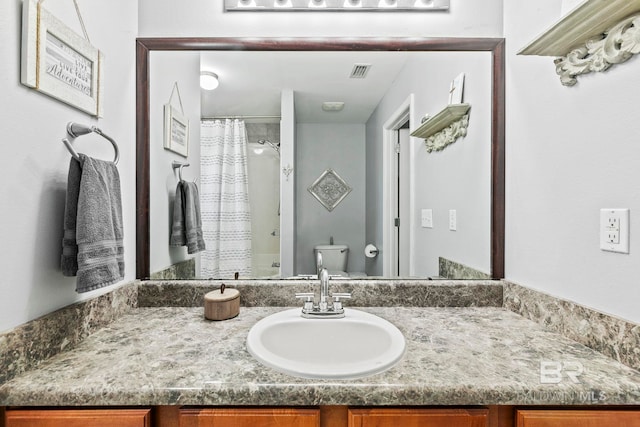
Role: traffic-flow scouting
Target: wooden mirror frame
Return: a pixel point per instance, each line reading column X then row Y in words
column 494, row 45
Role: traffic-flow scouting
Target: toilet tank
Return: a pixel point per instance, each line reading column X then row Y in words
column 334, row 257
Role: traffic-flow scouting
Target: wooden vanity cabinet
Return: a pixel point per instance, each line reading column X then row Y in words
column 77, row 418
column 577, row 418
column 324, row 416
column 409, row 417
column 249, row 417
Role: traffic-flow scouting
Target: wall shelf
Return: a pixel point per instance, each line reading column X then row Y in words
column 449, row 114
column 445, row 127
column 578, row 39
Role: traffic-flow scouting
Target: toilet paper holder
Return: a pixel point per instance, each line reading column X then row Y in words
column 370, row 251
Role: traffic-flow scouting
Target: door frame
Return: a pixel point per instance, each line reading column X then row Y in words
column 406, row 155
column 404, row 113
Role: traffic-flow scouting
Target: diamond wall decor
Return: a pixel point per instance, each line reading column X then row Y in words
column 329, row 189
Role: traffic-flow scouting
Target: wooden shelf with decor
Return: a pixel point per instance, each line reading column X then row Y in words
column 579, row 38
column 445, row 127
column 448, row 115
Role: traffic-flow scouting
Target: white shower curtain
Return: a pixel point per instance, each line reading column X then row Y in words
column 226, row 218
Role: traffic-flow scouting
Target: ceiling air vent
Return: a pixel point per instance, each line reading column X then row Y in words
column 360, row 71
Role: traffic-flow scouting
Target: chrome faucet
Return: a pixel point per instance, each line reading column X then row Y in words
column 324, row 289
column 324, row 309
column 318, row 263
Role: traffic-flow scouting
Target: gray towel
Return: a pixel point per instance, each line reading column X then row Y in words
column 69, row 259
column 186, row 229
column 94, row 206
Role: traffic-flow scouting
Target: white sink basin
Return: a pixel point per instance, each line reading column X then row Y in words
column 358, row 345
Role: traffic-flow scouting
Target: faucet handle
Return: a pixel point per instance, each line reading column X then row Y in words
column 337, row 304
column 308, row 299
column 345, row 295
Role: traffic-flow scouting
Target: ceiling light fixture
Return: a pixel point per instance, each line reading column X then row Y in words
column 352, row 3
column 317, row 3
column 423, row 3
column 208, row 80
column 282, row 3
column 332, row 106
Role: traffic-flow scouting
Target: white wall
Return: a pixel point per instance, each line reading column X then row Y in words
column 207, row 18
column 570, row 152
column 458, row 177
column 167, row 68
column 340, row 147
column 35, row 162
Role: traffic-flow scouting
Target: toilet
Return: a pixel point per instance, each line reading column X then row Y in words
column 334, row 258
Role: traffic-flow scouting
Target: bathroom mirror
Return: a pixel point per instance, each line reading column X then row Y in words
column 302, row 161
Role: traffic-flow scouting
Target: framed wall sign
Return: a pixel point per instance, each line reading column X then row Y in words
column 176, row 130
column 58, row 62
column 176, row 126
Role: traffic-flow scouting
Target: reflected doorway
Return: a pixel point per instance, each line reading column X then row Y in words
column 402, row 198
column 398, row 219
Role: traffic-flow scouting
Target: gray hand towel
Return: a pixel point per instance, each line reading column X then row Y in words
column 178, row 235
column 98, row 225
column 186, row 229
column 69, row 261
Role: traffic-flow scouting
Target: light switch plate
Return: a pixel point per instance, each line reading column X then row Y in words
column 614, row 230
column 427, row 218
column 453, row 220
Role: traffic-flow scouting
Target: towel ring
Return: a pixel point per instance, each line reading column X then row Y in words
column 75, row 130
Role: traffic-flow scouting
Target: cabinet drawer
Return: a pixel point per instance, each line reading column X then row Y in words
column 418, row 417
column 249, row 417
column 572, row 418
column 78, row 418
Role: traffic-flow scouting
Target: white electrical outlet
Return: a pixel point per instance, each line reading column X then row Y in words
column 453, row 222
column 427, row 218
column 614, row 230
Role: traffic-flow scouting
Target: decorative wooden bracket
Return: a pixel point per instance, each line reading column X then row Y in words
column 447, row 135
column 591, row 38
column 598, row 54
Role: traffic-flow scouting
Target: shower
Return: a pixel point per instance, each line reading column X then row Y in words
column 263, row 167
column 275, row 146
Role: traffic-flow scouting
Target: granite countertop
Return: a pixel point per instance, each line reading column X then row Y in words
column 455, row 356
